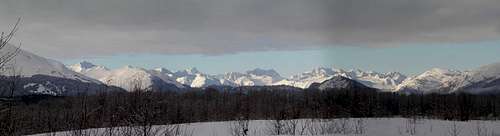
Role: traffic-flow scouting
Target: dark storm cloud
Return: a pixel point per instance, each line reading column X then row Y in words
column 106, row 27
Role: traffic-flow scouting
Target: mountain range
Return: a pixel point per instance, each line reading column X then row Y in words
column 28, row 73
column 34, row 69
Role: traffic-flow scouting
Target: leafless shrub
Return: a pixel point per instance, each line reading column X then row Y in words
column 5, row 38
column 321, row 126
column 359, row 126
column 303, row 127
column 290, row 126
column 177, row 130
column 482, row 130
column 411, row 126
column 283, row 127
column 312, row 126
column 239, row 127
column 343, row 126
column 275, row 127
column 454, row 130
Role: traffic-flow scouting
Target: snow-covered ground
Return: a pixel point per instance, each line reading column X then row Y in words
column 336, row 127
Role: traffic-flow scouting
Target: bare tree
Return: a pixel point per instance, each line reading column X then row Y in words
column 5, row 38
column 359, row 126
column 239, row 127
column 481, row 129
column 454, row 130
column 8, row 115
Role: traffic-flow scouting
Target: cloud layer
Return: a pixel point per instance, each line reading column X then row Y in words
column 74, row 28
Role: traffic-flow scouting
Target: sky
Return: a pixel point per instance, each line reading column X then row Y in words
column 411, row 59
column 290, row 36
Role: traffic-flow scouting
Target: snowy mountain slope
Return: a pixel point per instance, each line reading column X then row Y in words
column 485, row 79
column 50, row 85
column 194, row 78
column 434, row 81
column 339, row 83
column 28, row 64
column 383, row 81
column 90, row 70
column 255, row 77
column 39, row 75
column 490, row 71
column 201, row 80
column 129, row 77
column 258, row 77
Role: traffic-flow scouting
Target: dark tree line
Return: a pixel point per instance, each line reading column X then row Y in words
column 37, row 114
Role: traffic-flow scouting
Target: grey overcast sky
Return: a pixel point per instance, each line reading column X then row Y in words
column 104, row 27
column 72, row 30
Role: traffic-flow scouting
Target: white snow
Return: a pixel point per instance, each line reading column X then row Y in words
column 337, row 127
column 383, row 81
column 446, row 81
column 44, row 88
column 28, row 64
column 90, row 70
column 202, row 80
column 128, row 77
column 434, row 80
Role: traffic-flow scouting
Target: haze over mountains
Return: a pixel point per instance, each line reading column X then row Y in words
column 34, row 69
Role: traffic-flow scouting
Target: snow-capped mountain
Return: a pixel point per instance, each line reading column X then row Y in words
column 201, row 80
column 485, row 79
column 39, row 75
column 90, row 70
column 383, row 81
column 255, row 77
column 434, row 81
column 191, row 77
column 340, row 82
column 194, row 78
column 129, row 77
column 28, row 64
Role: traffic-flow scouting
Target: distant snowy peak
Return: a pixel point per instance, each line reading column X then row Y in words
column 90, row 70
column 163, row 71
column 187, row 72
column 28, row 64
column 383, row 81
column 130, row 78
column 491, row 71
column 483, row 80
column 232, row 76
column 201, row 80
column 264, row 72
column 435, row 80
column 318, row 73
column 340, row 83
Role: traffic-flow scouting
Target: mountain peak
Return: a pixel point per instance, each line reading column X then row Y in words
column 340, row 82
column 86, row 64
column 192, row 70
column 162, row 70
column 264, row 72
